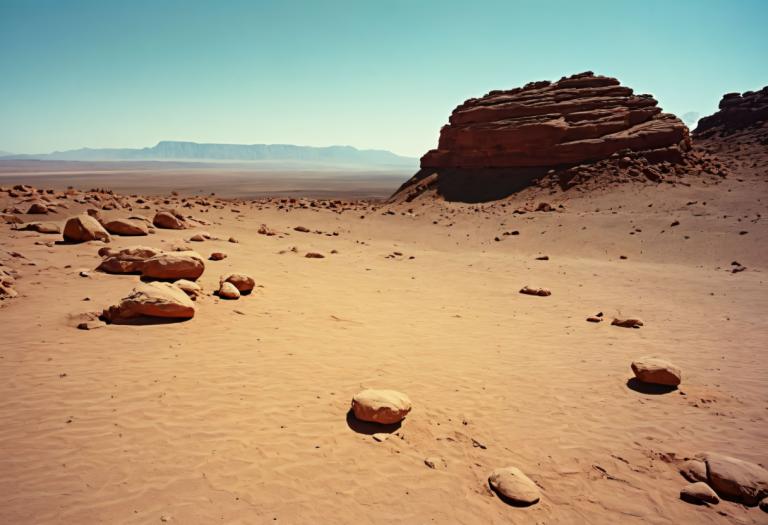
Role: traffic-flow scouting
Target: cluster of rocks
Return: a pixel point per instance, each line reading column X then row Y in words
column 7, row 282
column 714, row 476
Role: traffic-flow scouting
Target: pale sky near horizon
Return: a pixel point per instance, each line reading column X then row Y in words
column 383, row 74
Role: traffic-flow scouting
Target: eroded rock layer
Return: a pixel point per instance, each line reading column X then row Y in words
column 582, row 118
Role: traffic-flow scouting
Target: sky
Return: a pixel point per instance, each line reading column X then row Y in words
column 381, row 74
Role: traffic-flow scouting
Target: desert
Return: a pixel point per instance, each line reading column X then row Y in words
column 555, row 314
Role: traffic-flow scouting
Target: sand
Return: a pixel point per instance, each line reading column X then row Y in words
column 241, row 414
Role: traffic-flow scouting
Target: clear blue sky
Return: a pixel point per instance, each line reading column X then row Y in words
column 372, row 74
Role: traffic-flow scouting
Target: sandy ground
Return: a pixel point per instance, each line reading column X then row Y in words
column 240, row 415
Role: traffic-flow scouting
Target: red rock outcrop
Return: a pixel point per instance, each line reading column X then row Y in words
column 737, row 112
column 501, row 142
column 577, row 119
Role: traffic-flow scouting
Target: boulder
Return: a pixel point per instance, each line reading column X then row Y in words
column 38, row 208
column 83, row 228
column 174, row 265
column 243, row 283
column 698, row 493
column 735, row 479
column 192, row 289
column 381, row 406
column 169, row 221
column 228, row 290
column 514, row 486
column 126, row 227
column 694, row 470
column 162, row 300
column 126, row 260
column 656, row 371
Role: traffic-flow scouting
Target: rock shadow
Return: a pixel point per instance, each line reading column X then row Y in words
column 649, row 388
column 367, row 428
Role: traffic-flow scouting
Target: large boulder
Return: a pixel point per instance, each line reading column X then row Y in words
column 162, row 300
column 126, row 227
column 83, row 228
column 737, row 111
column 735, row 479
column 656, row 371
column 174, row 265
column 381, row 406
column 514, row 486
column 497, row 144
column 167, row 220
column 126, row 260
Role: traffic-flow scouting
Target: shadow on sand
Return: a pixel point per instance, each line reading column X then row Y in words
column 648, row 388
column 364, row 427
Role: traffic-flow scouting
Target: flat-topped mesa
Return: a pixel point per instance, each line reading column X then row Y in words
column 738, row 112
column 579, row 119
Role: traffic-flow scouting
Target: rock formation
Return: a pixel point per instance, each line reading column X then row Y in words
column 737, row 112
column 502, row 142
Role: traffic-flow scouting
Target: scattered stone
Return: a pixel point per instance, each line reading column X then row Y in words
column 314, row 255
column 127, row 227
column 233, row 240
column 243, row 283
column 218, row 256
column 198, row 237
column 541, row 292
column 694, row 470
column 84, row 228
column 168, row 221
column 380, row 436
column 38, row 208
column 265, row 230
column 627, row 323
column 542, row 258
column 156, row 299
column 764, row 504
column 228, row 290
column 301, row 229
column 514, row 486
column 90, row 325
column 594, row 319
column 176, row 265
column 699, row 493
column 381, row 406
column 192, row 289
column 126, row 260
column 436, row 463
column 656, row 371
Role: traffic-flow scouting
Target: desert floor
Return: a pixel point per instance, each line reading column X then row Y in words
column 240, row 415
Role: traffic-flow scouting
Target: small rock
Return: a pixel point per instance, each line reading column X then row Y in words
column 314, row 255
column 381, row 406
column 627, row 323
column 192, row 289
column 595, row 319
column 698, row 493
column 541, row 292
column 656, row 371
column 228, row 290
column 301, row 229
column 218, row 256
column 244, row 283
column 380, row 436
column 436, row 463
column 168, row 221
column 514, row 486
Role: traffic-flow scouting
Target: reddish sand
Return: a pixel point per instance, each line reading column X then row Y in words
column 240, row 415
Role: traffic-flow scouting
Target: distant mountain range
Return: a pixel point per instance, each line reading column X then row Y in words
column 274, row 153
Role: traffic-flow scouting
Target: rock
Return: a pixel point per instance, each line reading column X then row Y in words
column 266, row 230
column 301, row 229
column 126, row 260
column 90, row 325
column 218, row 256
column 541, row 292
column 175, row 265
column 83, row 228
column 198, row 237
column 233, row 240
column 380, row 436
column 656, row 371
column 694, row 470
column 735, row 479
column 698, row 493
column 38, row 208
column 436, row 463
column 514, row 486
column 169, row 221
column 192, row 289
column 627, row 323
column 9, row 218
column 764, row 504
column 381, row 406
column 736, row 112
column 497, row 143
column 41, row 227
column 314, row 255
column 243, row 283
column 228, row 290
column 163, row 300
column 126, row 227
column 594, row 319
